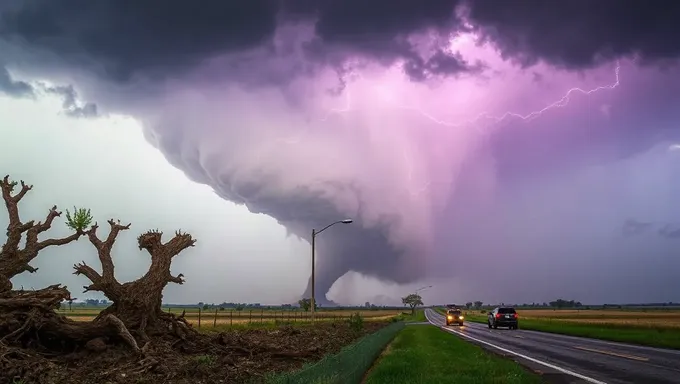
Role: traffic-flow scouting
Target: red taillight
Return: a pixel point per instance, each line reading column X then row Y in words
column 498, row 315
column 516, row 315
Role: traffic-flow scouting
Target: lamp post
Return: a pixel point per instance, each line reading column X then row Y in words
column 423, row 288
column 314, row 234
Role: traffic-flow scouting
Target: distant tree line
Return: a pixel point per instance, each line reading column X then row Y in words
column 89, row 302
column 302, row 304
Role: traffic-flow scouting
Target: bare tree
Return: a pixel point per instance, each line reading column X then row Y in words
column 138, row 303
column 14, row 259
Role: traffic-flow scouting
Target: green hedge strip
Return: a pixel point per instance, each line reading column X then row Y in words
column 348, row 366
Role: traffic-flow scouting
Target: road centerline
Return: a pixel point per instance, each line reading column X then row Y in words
column 611, row 353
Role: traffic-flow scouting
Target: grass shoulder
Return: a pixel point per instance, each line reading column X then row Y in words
column 426, row 354
column 408, row 317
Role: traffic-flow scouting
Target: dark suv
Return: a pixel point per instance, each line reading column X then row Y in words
column 454, row 316
column 503, row 317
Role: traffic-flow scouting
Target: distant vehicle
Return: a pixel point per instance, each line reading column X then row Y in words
column 503, row 317
column 454, row 316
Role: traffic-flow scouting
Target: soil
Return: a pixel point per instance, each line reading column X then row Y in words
column 232, row 356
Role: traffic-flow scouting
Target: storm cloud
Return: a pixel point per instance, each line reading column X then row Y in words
column 392, row 113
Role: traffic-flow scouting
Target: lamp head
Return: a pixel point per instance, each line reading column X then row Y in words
column 347, row 221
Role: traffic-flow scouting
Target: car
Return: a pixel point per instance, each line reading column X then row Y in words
column 503, row 317
column 454, row 316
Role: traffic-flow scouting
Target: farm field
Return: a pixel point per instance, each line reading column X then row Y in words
column 230, row 317
column 634, row 318
column 657, row 328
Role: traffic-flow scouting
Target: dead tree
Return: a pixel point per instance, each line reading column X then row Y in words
column 138, row 303
column 13, row 259
column 30, row 316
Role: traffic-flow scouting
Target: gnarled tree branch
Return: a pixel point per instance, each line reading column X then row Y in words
column 104, row 247
column 180, row 242
column 15, row 260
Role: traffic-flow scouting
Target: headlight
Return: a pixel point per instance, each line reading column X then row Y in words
column 462, row 317
column 449, row 317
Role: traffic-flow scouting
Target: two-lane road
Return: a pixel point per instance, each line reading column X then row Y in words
column 573, row 359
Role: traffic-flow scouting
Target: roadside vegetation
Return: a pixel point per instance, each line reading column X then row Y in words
column 426, row 354
column 415, row 317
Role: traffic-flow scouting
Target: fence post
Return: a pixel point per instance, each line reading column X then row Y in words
column 261, row 316
column 231, row 317
column 215, row 319
column 250, row 316
column 199, row 317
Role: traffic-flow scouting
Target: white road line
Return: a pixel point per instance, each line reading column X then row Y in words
column 552, row 366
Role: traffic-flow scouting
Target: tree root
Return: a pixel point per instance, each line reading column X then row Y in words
column 21, row 330
column 123, row 332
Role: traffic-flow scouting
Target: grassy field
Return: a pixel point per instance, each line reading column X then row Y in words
column 232, row 318
column 246, row 313
column 656, row 328
column 425, row 354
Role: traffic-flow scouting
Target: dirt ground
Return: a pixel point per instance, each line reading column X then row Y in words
column 231, row 356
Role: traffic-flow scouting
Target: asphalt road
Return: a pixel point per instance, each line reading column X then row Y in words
column 567, row 359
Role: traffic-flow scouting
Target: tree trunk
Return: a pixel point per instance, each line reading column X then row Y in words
column 138, row 303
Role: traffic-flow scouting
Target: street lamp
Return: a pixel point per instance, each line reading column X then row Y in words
column 423, row 288
column 314, row 234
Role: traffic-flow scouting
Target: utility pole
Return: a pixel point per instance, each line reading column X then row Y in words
column 313, row 301
column 314, row 233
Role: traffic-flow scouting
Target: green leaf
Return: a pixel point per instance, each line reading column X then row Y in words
column 79, row 220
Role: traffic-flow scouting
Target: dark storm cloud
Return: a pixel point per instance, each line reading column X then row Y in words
column 632, row 227
column 670, row 231
column 128, row 36
column 161, row 39
column 12, row 87
column 580, row 33
column 70, row 104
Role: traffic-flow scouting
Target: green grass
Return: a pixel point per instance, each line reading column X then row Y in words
column 418, row 316
column 624, row 333
column 429, row 355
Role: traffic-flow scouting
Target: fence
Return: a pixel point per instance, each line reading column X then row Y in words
column 228, row 317
column 347, row 367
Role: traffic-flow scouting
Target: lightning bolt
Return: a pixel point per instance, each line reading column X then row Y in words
column 473, row 122
column 562, row 102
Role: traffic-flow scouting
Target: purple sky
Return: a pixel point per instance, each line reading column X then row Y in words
column 389, row 113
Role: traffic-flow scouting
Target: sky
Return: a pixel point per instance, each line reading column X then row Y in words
column 503, row 152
